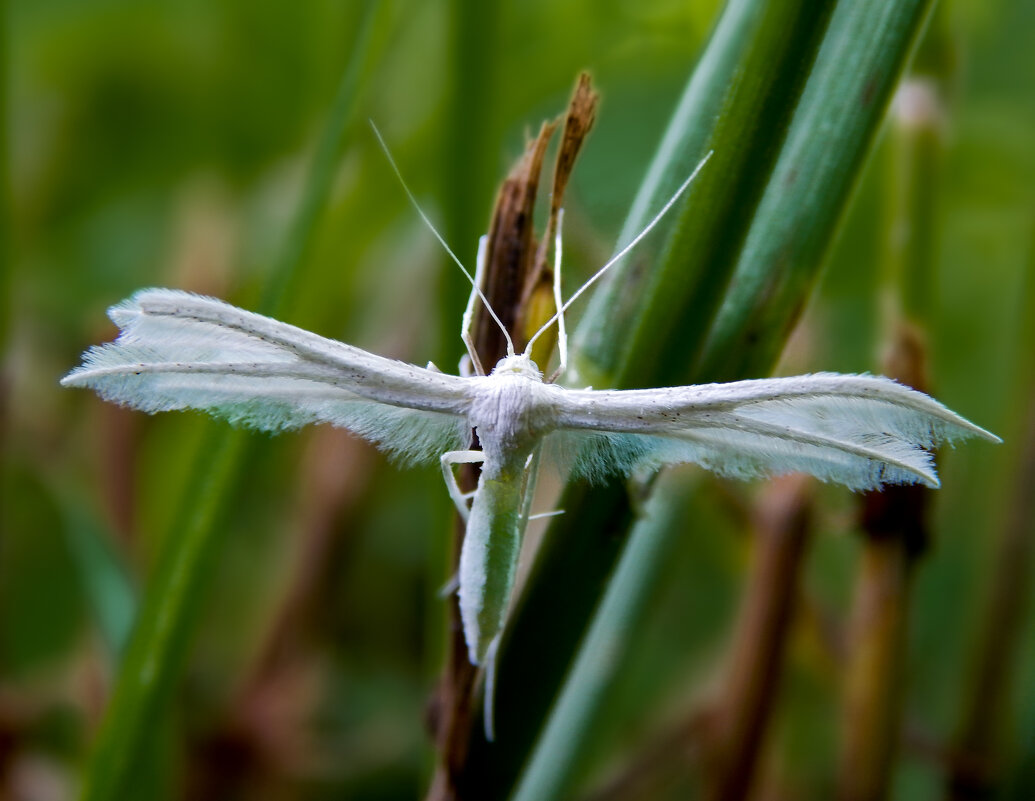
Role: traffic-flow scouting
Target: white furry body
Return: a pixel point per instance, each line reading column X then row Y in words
column 177, row 350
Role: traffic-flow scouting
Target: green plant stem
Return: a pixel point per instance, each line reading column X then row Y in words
column 168, row 617
column 738, row 104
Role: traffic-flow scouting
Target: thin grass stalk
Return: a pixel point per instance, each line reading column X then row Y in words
column 107, row 583
column 6, row 205
column 895, row 522
column 286, row 276
column 168, row 617
column 6, row 270
column 6, row 245
column 981, row 748
column 873, row 688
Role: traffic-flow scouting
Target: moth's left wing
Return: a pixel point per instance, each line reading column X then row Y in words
column 177, row 350
column 857, row 430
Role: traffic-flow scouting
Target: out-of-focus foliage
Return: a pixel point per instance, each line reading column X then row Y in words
column 166, row 144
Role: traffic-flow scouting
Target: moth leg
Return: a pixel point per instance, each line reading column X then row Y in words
column 562, row 331
column 638, row 487
column 450, row 586
column 468, row 318
column 541, row 515
column 489, row 699
column 450, row 458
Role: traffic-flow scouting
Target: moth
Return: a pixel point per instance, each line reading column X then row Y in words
column 178, row 350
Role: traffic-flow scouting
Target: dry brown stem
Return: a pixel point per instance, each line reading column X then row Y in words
column 512, row 264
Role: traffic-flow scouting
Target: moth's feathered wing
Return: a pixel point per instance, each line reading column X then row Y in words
column 858, row 430
column 177, row 350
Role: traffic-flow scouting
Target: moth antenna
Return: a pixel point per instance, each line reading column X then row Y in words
column 562, row 332
column 467, row 321
column 438, row 236
column 621, row 253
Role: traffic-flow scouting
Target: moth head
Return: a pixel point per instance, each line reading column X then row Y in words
column 519, row 364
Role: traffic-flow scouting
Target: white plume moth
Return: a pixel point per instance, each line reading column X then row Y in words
column 178, row 350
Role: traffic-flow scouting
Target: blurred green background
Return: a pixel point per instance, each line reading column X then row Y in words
column 167, row 144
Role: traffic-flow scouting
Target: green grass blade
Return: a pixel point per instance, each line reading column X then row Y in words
column 106, row 579
column 596, row 351
column 161, row 637
column 840, row 113
column 282, row 286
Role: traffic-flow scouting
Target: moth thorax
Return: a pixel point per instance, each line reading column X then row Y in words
column 507, row 413
column 519, row 364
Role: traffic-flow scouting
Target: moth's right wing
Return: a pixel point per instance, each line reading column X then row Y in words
column 177, row 350
column 858, row 430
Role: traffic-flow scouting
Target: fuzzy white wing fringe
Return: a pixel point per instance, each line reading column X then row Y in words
column 857, row 430
column 182, row 351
